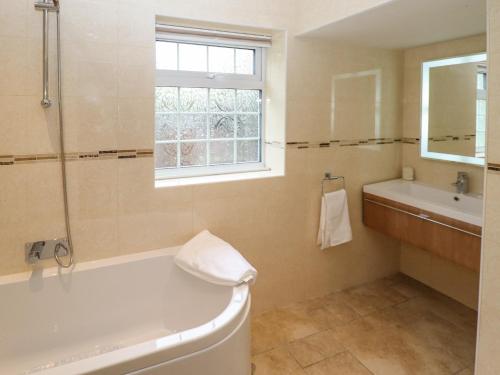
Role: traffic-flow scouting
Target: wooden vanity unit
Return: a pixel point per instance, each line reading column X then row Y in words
column 455, row 240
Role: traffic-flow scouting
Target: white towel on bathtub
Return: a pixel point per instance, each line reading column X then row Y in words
column 335, row 226
column 214, row 260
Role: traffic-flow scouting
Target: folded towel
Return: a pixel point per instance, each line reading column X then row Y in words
column 335, row 226
column 214, row 260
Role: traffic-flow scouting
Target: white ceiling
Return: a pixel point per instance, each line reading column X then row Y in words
column 408, row 23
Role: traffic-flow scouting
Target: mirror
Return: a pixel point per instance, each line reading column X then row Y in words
column 454, row 95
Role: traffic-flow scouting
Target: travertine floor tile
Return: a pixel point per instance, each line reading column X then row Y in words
column 334, row 312
column 315, row 348
column 341, row 364
column 278, row 327
column 446, row 308
column 369, row 298
column 392, row 326
column 406, row 286
column 276, row 362
column 386, row 344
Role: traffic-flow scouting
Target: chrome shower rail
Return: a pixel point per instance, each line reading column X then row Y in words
column 65, row 247
column 46, row 7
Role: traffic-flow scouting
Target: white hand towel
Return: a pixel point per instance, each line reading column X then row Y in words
column 214, row 260
column 335, row 226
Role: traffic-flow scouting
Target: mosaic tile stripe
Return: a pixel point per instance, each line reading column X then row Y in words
column 494, row 167
column 343, row 143
column 74, row 156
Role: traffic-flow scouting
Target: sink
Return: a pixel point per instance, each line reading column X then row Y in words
column 467, row 208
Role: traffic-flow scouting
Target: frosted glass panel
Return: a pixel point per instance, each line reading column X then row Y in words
column 166, row 127
column 222, row 100
column 193, row 57
column 221, row 152
column 221, row 126
column 166, row 55
column 166, row 155
column 193, row 100
column 248, row 100
column 166, row 99
column 248, row 151
column 193, row 126
column 248, row 126
column 193, row 154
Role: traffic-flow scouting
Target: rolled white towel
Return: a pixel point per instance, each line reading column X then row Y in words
column 214, row 260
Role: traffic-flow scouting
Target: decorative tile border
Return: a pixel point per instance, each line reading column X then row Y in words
column 76, row 156
column 447, row 138
column 344, row 143
column 494, row 167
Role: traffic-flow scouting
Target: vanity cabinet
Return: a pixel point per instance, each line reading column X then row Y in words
column 448, row 238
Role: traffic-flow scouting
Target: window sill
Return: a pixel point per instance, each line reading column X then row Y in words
column 213, row 179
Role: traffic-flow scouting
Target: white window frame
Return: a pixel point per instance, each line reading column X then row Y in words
column 189, row 79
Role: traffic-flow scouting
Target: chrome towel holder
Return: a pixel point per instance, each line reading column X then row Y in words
column 328, row 178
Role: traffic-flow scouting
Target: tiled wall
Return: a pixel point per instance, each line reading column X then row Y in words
column 488, row 350
column 453, row 280
column 115, row 208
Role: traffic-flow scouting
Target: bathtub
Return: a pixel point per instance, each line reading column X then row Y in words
column 136, row 314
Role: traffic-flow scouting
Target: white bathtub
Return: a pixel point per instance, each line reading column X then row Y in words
column 467, row 208
column 137, row 314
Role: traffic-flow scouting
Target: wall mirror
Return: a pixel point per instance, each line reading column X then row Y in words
column 454, row 99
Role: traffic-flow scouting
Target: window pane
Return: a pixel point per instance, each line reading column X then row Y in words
column 222, row 100
column 166, row 155
column 193, row 126
column 221, row 59
column 248, row 151
column 193, row 100
column 222, row 126
column 166, row 55
column 166, row 99
column 193, row 57
column 248, row 126
column 166, row 127
column 221, row 152
column 248, row 100
column 193, row 154
column 245, row 61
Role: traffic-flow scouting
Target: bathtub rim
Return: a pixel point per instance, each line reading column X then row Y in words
column 150, row 352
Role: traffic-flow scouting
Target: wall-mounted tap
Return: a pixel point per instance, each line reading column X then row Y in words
column 34, row 251
column 462, row 183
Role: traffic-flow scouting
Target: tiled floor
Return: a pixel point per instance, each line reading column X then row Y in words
column 389, row 327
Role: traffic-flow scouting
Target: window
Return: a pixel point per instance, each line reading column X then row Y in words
column 209, row 104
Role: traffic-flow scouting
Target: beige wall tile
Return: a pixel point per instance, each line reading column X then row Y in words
column 114, row 206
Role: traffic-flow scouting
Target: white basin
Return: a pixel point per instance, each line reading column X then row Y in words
column 467, row 208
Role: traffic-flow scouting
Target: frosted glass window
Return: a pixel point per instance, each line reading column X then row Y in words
column 208, row 107
column 207, row 126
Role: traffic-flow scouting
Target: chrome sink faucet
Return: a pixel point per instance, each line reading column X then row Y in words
column 462, row 183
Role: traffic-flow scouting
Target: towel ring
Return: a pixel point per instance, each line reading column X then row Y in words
column 328, row 178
